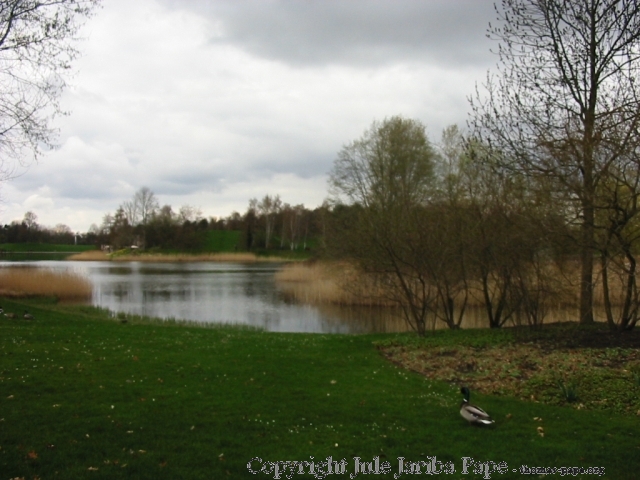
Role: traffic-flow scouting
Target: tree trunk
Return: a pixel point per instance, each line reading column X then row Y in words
column 588, row 222
column 586, row 277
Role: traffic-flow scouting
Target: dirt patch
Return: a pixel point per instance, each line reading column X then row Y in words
column 587, row 369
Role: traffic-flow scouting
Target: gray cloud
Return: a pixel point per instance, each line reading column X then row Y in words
column 364, row 32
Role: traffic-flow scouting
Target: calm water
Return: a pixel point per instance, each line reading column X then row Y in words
column 233, row 293
column 218, row 293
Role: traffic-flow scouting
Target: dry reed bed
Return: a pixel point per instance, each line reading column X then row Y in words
column 28, row 282
column 343, row 284
column 330, row 283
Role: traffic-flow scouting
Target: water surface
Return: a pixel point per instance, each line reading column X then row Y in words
column 212, row 292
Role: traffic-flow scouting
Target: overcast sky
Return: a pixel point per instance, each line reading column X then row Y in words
column 212, row 102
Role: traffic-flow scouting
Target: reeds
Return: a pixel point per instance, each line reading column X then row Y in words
column 330, row 283
column 29, row 282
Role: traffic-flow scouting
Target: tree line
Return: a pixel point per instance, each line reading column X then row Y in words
column 267, row 224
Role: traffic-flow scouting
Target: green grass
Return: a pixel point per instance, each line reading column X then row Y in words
column 39, row 251
column 44, row 247
column 83, row 395
column 222, row 241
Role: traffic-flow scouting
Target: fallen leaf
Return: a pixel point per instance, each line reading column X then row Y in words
column 92, row 469
column 32, row 454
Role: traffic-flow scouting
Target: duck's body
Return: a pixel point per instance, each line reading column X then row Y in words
column 10, row 315
column 27, row 316
column 473, row 413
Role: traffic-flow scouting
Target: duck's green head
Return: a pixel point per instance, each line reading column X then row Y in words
column 466, row 393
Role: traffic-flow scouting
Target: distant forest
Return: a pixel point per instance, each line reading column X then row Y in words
column 267, row 224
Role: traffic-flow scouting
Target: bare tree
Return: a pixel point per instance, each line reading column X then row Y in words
column 30, row 220
column 188, row 213
column 130, row 209
column 145, row 205
column 36, row 51
column 618, row 240
column 385, row 178
column 268, row 207
column 565, row 103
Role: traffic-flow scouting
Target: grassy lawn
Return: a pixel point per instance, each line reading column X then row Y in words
column 86, row 396
column 40, row 251
column 44, row 247
column 223, row 240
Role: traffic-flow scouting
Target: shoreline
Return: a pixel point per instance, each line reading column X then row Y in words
column 244, row 257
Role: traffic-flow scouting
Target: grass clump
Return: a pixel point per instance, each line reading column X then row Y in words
column 568, row 390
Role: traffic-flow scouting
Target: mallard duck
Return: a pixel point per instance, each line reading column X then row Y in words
column 10, row 315
column 472, row 413
column 27, row 316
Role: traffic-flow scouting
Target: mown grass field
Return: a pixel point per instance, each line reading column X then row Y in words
column 44, row 247
column 83, row 395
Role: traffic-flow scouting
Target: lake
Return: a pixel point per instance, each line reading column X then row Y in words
column 211, row 292
column 234, row 293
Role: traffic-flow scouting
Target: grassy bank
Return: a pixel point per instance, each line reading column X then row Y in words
column 83, row 395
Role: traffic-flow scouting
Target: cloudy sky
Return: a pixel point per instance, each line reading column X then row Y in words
column 212, row 102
